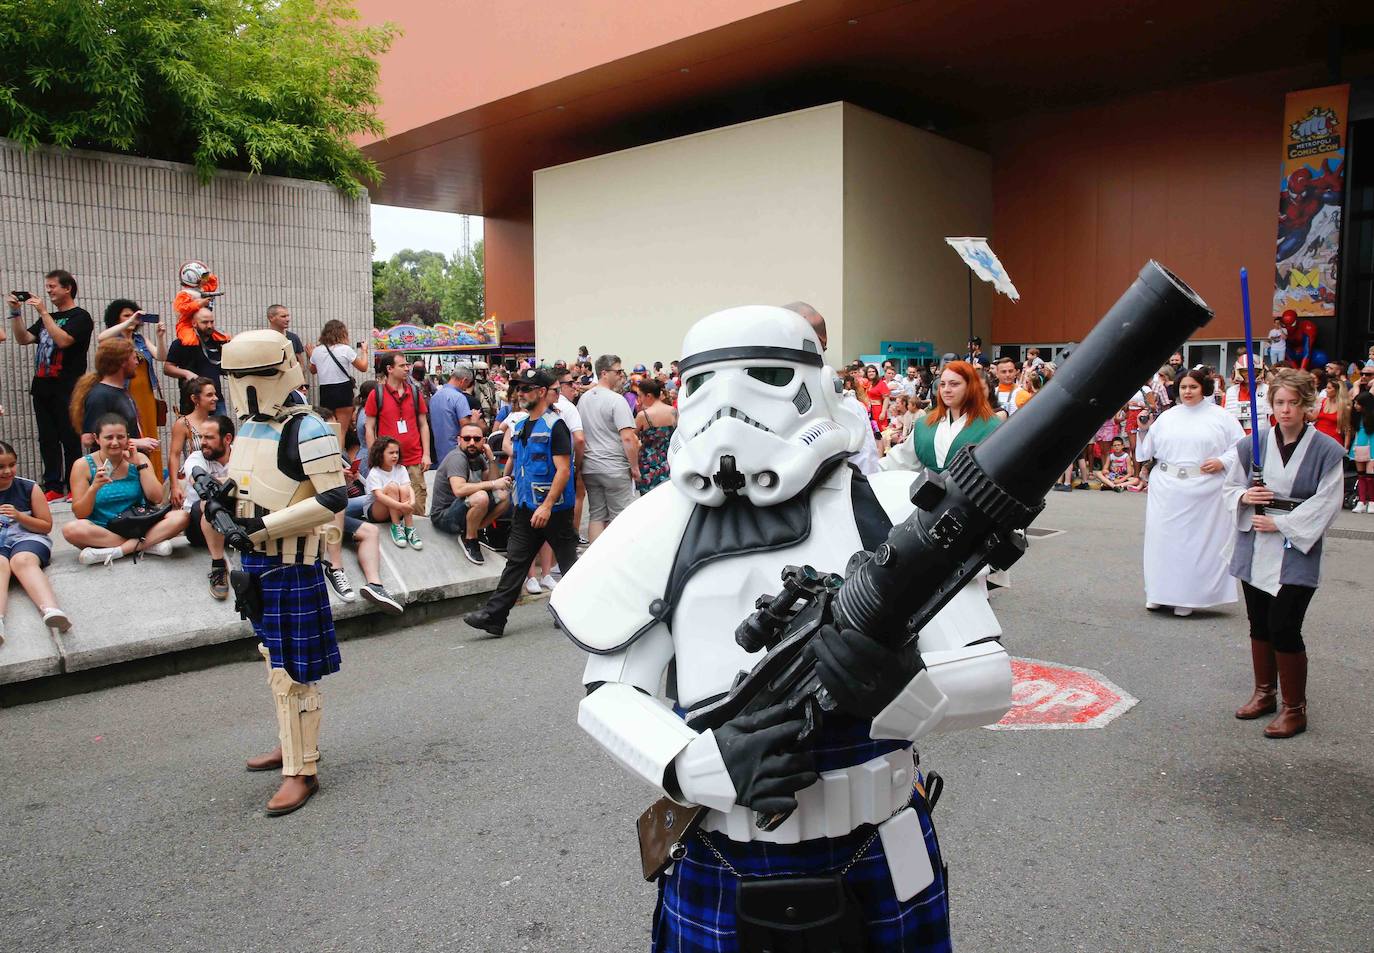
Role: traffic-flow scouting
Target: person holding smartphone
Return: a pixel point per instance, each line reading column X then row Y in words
column 124, row 318
column 62, row 336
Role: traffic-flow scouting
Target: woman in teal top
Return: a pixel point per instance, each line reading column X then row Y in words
column 961, row 416
column 105, row 484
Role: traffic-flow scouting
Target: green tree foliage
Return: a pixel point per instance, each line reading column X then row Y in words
column 266, row 86
column 428, row 287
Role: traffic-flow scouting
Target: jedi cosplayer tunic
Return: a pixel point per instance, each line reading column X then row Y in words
column 931, row 447
column 1188, row 527
column 1313, row 479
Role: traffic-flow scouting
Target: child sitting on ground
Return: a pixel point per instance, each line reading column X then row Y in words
column 1117, row 469
column 392, row 500
column 25, row 521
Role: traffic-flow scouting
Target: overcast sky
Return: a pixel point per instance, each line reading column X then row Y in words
column 396, row 229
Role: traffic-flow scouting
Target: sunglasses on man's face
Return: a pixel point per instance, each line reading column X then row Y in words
column 477, row 439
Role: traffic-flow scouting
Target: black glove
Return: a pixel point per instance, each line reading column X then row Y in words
column 860, row 673
column 759, row 751
column 239, row 538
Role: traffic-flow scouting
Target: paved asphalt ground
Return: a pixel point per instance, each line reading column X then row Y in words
column 461, row 808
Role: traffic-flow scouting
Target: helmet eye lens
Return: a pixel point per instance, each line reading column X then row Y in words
column 775, row 376
column 694, row 383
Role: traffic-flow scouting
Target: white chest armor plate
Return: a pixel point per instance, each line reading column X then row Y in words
column 721, row 594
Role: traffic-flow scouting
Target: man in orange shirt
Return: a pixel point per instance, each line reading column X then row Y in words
column 1009, row 396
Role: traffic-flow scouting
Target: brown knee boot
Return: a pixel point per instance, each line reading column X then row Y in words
column 1266, row 681
column 1292, row 718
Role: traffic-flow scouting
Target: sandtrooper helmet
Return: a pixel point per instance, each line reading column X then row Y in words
column 759, row 412
column 262, row 370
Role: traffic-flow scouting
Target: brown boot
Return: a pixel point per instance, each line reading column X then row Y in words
column 295, row 790
column 1292, row 718
column 1263, row 702
column 266, row 762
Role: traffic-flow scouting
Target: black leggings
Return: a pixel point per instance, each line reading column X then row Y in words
column 1278, row 619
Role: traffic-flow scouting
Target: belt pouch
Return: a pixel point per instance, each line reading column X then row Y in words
column 247, row 595
column 798, row 915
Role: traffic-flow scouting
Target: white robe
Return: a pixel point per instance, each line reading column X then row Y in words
column 1303, row 526
column 1189, row 530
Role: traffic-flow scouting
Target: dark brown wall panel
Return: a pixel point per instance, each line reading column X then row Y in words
column 1082, row 199
column 508, row 246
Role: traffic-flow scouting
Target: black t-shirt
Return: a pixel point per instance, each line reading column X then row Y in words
column 57, row 368
column 296, row 344
column 200, row 359
column 106, row 399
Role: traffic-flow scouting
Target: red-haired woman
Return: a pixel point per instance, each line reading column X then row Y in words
column 961, row 415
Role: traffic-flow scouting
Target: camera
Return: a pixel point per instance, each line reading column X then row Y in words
column 146, row 318
column 21, row 295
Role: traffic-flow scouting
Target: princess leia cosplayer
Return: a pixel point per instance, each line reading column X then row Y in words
column 760, row 482
column 1188, row 530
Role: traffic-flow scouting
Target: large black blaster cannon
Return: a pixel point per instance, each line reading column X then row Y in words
column 217, row 501
column 966, row 518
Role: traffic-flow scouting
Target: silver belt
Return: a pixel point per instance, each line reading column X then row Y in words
column 840, row 801
column 1181, row 472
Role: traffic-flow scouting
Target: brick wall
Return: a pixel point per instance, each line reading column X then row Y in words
column 123, row 226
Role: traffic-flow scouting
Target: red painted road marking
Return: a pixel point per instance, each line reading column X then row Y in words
column 1049, row 695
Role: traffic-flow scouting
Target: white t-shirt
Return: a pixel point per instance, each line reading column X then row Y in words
column 328, row 372
column 378, row 478
column 568, row 411
column 195, row 461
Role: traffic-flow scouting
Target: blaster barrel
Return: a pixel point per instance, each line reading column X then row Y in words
column 966, row 516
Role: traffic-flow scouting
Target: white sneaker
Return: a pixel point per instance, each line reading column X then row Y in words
column 163, row 548
column 95, row 555
column 1358, row 508
column 1182, row 612
column 55, row 618
column 1152, row 606
column 548, row 582
column 532, row 586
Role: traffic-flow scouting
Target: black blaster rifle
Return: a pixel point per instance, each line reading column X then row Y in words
column 217, row 500
column 967, row 517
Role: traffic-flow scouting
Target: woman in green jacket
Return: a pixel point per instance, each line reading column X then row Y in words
column 961, row 415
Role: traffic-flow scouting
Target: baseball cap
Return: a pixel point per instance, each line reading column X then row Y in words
column 639, row 369
column 531, row 377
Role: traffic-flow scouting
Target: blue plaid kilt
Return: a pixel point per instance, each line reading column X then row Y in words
column 696, row 900
column 297, row 626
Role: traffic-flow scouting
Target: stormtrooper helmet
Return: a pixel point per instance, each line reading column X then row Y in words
column 262, row 370
column 759, row 412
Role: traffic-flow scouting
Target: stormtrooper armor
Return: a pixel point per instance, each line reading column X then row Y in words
column 759, row 482
column 288, row 474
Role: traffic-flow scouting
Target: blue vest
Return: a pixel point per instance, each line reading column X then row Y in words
column 534, row 469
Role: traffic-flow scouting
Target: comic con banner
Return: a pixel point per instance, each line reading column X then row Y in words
column 1310, row 199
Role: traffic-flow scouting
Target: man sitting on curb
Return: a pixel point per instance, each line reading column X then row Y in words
column 469, row 491
column 216, row 440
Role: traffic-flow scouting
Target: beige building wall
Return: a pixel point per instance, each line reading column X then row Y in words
column 833, row 205
column 905, row 191
column 631, row 248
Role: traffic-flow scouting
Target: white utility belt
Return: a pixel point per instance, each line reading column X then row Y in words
column 840, row 801
column 1182, row 470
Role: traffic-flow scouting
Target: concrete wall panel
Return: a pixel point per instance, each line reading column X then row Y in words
column 123, row 226
column 905, row 190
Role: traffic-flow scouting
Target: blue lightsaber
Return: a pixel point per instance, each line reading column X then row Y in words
column 1250, row 376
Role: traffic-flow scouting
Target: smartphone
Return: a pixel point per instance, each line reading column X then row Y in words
column 109, row 470
column 21, row 295
column 146, row 318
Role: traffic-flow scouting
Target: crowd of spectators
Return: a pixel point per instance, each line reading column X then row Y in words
column 100, row 433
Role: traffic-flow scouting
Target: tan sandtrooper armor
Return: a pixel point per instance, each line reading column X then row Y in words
column 282, row 483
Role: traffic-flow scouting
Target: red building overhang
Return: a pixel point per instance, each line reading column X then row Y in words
column 476, row 97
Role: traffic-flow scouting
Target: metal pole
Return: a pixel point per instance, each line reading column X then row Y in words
column 970, row 311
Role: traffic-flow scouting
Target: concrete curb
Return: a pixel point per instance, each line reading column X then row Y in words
column 138, row 620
